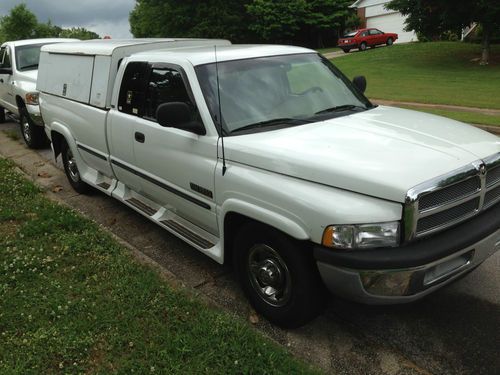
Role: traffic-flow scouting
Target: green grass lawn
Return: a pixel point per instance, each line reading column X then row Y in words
column 439, row 73
column 467, row 117
column 72, row 300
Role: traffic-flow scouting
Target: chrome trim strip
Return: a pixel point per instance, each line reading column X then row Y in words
column 412, row 214
column 443, row 181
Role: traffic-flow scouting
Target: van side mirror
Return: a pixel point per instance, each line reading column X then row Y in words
column 6, row 71
column 177, row 115
column 360, row 83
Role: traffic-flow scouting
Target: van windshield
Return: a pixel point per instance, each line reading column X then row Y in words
column 263, row 93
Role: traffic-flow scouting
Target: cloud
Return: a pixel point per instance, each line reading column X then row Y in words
column 103, row 17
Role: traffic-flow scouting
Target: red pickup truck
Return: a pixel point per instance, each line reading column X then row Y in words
column 364, row 38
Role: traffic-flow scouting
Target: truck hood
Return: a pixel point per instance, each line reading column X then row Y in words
column 382, row 152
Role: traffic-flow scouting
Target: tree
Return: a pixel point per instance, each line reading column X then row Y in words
column 47, row 30
column 191, row 18
column 325, row 15
column 78, row 33
column 20, row 23
column 306, row 22
column 433, row 17
column 277, row 21
column 291, row 20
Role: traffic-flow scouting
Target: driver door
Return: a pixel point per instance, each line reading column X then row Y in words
column 6, row 81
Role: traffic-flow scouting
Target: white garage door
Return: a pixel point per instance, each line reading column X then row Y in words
column 392, row 23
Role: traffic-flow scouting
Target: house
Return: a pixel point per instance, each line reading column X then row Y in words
column 374, row 14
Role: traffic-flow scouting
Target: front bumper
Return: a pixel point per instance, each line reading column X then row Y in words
column 405, row 274
column 35, row 115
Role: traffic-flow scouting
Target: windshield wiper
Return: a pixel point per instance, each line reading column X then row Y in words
column 273, row 122
column 29, row 66
column 340, row 108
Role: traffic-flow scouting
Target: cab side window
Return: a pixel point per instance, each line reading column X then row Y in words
column 5, row 58
column 364, row 33
column 133, row 89
column 165, row 85
column 144, row 88
column 375, row 32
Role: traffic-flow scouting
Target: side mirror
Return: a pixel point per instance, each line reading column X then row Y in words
column 360, row 83
column 6, row 71
column 177, row 115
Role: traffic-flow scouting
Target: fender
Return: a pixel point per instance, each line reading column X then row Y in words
column 265, row 216
column 61, row 129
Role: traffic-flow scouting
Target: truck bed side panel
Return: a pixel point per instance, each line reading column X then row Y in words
column 87, row 126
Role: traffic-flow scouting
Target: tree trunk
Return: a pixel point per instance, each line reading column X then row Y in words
column 485, row 57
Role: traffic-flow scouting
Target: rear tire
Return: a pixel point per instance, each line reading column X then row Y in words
column 390, row 42
column 34, row 136
column 71, row 170
column 2, row 115
column 363, row 46
column 278, row 276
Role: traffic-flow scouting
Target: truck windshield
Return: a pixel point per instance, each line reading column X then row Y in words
column 27, row 57
column 264, row 93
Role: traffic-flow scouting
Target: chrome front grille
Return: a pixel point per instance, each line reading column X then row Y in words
column 452, row 198
column 491, row 197
column 493, row 176
column 451, row 193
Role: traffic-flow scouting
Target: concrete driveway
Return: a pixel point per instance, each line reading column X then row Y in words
column 454, row 331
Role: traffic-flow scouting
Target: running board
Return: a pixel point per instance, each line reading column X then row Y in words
column 187, row 233
column 141, row 206
column 104, row 185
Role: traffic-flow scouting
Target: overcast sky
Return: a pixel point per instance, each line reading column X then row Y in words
column 105, row 17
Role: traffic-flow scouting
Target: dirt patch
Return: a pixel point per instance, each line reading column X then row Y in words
column 9, row 228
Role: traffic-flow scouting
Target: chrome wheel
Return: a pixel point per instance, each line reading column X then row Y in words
column 72, row 168
column 26, row 129
column 269, row 275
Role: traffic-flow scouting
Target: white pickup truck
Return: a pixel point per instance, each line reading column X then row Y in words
column 269, row 157
column 18, row 95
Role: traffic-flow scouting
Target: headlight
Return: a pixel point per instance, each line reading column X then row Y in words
column 32, row 98
column 362, row 236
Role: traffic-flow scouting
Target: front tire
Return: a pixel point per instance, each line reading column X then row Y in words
column 390, row 42
column 346, row 50
column 71, row 170
column 363, row 46
column 278, row 276
column 34, row 136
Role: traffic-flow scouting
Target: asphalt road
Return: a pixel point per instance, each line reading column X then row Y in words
column 454, row 331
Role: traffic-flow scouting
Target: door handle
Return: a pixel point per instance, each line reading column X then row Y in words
column 139, row 137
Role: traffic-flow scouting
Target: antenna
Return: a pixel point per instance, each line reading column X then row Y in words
column 221, row 136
